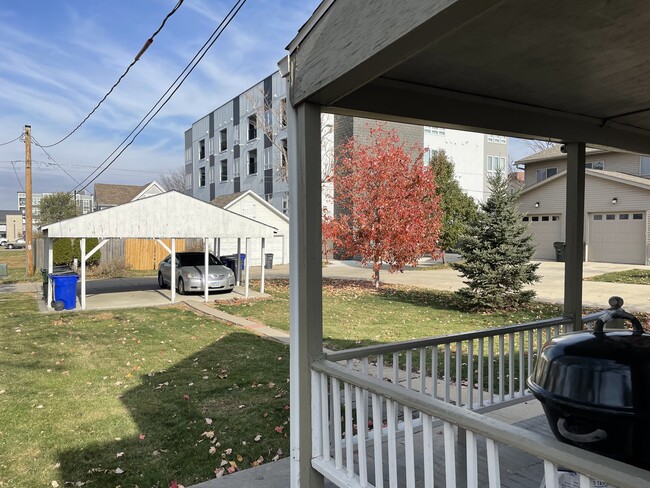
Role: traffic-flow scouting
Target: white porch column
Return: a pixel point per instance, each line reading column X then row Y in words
column 50, row 270
column 173, row 274
column 575, row 222
column 247, row 264
column 306, row 283
column 263, row 263
column 206, row 269
column 82, row 245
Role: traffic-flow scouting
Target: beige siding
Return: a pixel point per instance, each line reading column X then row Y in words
column 598, row 198
column 622, row 162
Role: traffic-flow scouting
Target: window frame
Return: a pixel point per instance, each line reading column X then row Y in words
column 248, row 162
column 221, row 171
column 223, row 139
column 202, row 151
column 202, row 177
column 252, row 127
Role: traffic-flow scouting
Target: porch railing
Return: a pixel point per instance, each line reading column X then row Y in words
column 479, row 370
column 336, row 389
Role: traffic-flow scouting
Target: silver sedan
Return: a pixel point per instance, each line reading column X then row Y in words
column 189, row 273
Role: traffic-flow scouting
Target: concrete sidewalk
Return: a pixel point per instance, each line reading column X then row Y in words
column 549, row 289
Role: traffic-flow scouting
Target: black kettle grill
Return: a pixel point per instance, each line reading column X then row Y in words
column 594, row 387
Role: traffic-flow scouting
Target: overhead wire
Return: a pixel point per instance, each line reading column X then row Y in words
column 49, row 156
column 146, row 45
column 13, row 140
column 162, row 101
column 22, row 187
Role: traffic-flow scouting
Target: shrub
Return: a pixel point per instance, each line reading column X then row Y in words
column 63, row 251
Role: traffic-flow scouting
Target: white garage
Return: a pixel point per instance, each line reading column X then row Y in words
column 617, row 237
column 252, row 206
column 546, row 229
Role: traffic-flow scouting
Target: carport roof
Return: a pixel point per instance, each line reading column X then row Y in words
column 552, row 69
column 167, row 215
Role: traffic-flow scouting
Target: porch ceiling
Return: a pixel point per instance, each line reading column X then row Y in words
column 567, row 71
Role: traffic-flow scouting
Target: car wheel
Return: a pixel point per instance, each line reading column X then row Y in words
column 10, row 246
column 161, row 281
column 181, row 286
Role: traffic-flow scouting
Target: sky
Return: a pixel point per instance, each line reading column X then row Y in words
column 59, row 58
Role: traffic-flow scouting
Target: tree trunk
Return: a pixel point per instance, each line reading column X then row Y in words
column 444, row 261
column 375, row 275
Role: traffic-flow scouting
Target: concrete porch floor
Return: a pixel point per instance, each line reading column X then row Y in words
column 517, row 469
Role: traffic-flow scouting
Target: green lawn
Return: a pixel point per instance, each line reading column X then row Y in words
column 15, row 259
column 633, row 276
column 134, row 398
column 355, row 314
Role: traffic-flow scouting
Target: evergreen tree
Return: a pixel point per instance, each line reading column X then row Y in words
column 458, row 208
column 496, row 253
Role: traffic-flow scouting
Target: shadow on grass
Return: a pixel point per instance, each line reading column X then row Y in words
column 170, row 408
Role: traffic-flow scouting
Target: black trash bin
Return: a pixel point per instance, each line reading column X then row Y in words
column 559, row 251
column 268, row 261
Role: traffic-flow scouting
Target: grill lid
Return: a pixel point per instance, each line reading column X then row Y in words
column 602, row 369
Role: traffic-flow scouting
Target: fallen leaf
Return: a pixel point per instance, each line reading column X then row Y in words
column 229, row 451
column 212, row 450
column 186, row 397
column 55, row 484
column 119, row 471
column 208, row 433
column 224, row 462
column 141, row 437
column 239, row 458
column 120, row 454
column 279, row 429
column 219, row 472
column 208, row 421
column 257, row 438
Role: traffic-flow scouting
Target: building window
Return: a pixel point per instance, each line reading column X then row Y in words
column 252, row 162
column 202, row 176
column 188, row 182
column 555, row 218
column 211, row 174
column 525, row 219
column 224, row 170
column 440, row 131
column 496, row 139
column 211, row 145
column 535, row 219
column 202, row 149
column 268, row 197
column 283, row 112
column 598, row 217
column 284, row 154
column 610, row 217
column 252, row 127
column 495, row 163
column 595, row 165
column 623, row 216
column 637, row 216
column 235, row 169
column 285, row 203
column 542, row 174
column 188, row 155
column 645, row 165
column 223, row 139
column 545, row 218
column 268, row 158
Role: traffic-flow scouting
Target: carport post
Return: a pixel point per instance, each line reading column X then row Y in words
column 50, row 269
column 575, row 222
column 263, row 265
column 82, row 245
column 238, row 261
column 206, row 268
column 173, row 260
column 218, row 247
column 247, row 264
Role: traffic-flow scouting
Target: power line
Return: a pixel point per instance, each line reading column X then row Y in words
column 13, row 140
column 146, row 45
column 49, row 156
column 173, row 88
column 16, row 173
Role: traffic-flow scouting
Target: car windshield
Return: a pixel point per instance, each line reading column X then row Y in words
column 197, row 259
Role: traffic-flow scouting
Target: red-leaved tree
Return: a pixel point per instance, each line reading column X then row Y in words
column 387, row 208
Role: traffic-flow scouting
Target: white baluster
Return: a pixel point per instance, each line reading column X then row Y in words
column 494, row 470
column 450, row 454
column 391, row 414
column 459, row 373
column 362, row 433
column 324, row 412
column 447, row 372
column 377, row 440
column 427, row 442
column 550, row 475
column 481, row 357
column 409, row 447
column 349, row 450
column 470, row 372
column 338, row 435
column 511, row 365
column 472, row 460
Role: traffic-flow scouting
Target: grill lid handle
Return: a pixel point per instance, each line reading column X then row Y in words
column 616, row 312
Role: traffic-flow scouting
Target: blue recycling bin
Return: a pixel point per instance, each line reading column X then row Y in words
column 65, row 289
column 242, row 258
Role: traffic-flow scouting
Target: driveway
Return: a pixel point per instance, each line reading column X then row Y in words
column 549, row 289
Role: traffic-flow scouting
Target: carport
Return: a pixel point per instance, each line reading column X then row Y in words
column 170, row 215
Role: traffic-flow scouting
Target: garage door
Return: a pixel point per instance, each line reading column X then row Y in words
column 617, row 237
column 546, row 229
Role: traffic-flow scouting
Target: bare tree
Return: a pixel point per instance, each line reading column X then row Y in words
column 271, row 120
column 174, row 179
column 537, row 145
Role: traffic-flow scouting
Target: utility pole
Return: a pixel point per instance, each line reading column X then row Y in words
column 28, row 200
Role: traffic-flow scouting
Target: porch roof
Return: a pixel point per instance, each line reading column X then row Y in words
column 563, row 71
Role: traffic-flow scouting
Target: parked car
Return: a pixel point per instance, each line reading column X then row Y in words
column 3, row 241
column 189, row 273
column 17, row 244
